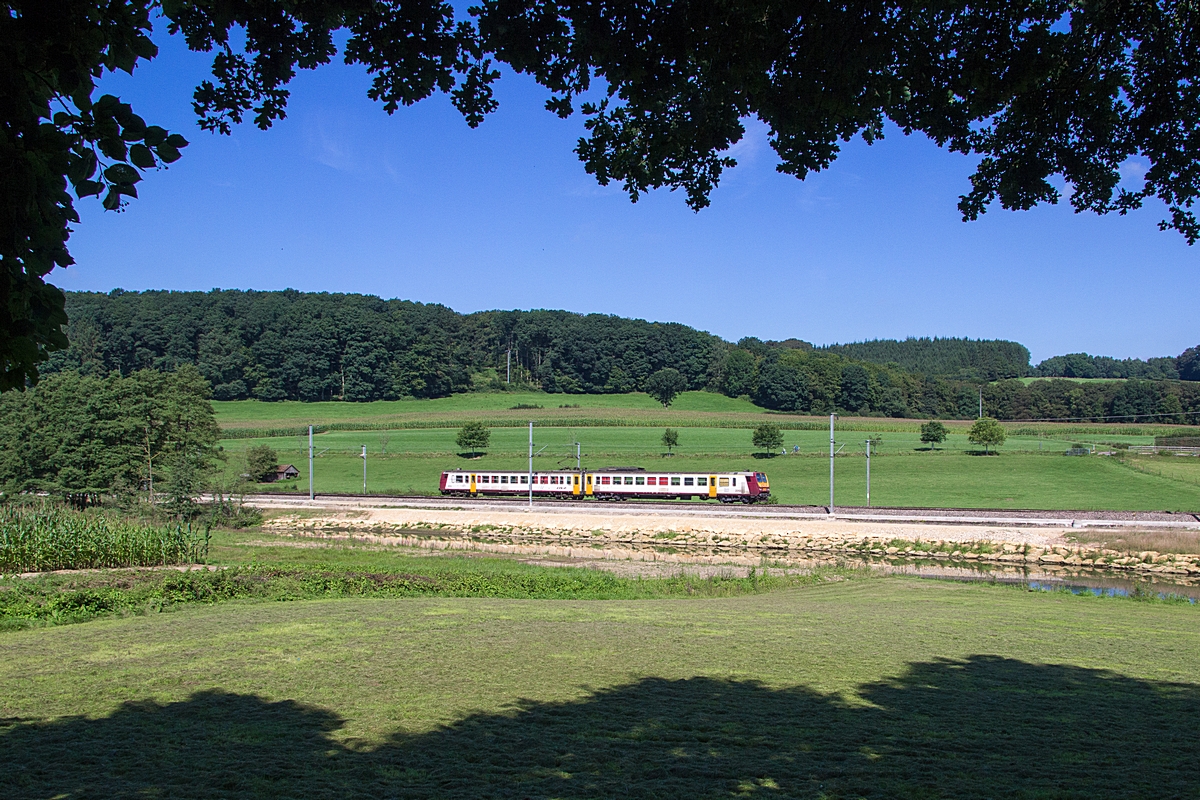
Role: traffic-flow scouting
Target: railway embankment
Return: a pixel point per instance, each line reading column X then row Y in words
column 751, row 541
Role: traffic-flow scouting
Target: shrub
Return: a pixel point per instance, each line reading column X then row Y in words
column 261, row 461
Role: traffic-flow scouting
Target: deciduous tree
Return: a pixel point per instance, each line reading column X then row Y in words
column 670, row 439
column 768, row 437
column 987, row 432
column 84, row 437
column 933, row 433
column 261, row 462
column 474, row 435
column 1041, row 92
column 665, row 385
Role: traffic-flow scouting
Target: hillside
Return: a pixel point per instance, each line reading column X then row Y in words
column 291, row 345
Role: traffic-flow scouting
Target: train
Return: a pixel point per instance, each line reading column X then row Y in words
column 610, row 483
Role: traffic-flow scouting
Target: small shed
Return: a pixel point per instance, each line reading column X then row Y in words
column 284, row 472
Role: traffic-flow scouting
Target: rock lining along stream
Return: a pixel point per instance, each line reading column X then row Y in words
column 661, row 545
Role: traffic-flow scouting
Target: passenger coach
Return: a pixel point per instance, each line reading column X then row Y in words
column 612, row 483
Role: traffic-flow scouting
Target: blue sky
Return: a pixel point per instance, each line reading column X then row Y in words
column 341, row 197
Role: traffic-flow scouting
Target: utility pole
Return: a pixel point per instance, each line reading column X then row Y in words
column 578, row 462
column 508, row 367
column 868, row 473
column 310, row 464
column 364, row 458
column 980, row 402
column 832, row 417
column 531, row 463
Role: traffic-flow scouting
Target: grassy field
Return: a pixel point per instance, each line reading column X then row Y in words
column 690, row 409
column 903, row 472
column 872, row 688
column 409, row 442
column 639, row 442
column 1028, row 381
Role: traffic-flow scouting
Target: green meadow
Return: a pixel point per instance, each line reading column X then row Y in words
column 336, row 670
column 887, row 688
column 410, row 442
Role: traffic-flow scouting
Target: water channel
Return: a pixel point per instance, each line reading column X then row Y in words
column 633, row 559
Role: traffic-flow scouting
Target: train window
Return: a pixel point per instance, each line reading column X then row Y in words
column 504, row 479
column 724, row 481
column 702, row 481
column 688, row 481
column 652, row 481
column 674, row 481
column 576, row 480
column 641, row 481
column 524, row 479
column 734, row 481
column 628, row 480
column 604, row 479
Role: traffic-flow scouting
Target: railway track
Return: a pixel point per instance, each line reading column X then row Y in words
column 949, row 516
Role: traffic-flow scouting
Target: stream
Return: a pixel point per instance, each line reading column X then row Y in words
column 633, row 559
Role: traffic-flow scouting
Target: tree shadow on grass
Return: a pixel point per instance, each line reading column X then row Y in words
column 986, row 727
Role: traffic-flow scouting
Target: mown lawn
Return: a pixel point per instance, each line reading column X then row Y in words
column 875, row 688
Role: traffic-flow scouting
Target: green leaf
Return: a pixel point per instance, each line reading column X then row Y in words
column 155, row 135
column 88, row 188
column 177, row 141
column 133, row 128
column 168, row 154
column 141, row 157
column 113, row 148
column 107, row 105
column 81, row 166
column 122, row 174
column 112, row 201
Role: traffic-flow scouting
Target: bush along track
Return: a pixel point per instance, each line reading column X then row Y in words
column 58, row 598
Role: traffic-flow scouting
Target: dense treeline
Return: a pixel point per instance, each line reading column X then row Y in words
column 788, row 377
column 80, row 436
column 1081, row 365
column 300, row 346
column 965, row 359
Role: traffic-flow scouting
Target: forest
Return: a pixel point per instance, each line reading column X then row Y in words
column 82, row 436
column 965, row 359
column 290, row 345
column 317, row 346
column 1081, row 365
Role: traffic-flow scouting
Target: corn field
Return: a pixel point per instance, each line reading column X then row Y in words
column 48, row 537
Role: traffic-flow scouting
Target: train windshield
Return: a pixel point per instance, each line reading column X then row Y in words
column 760, row 476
